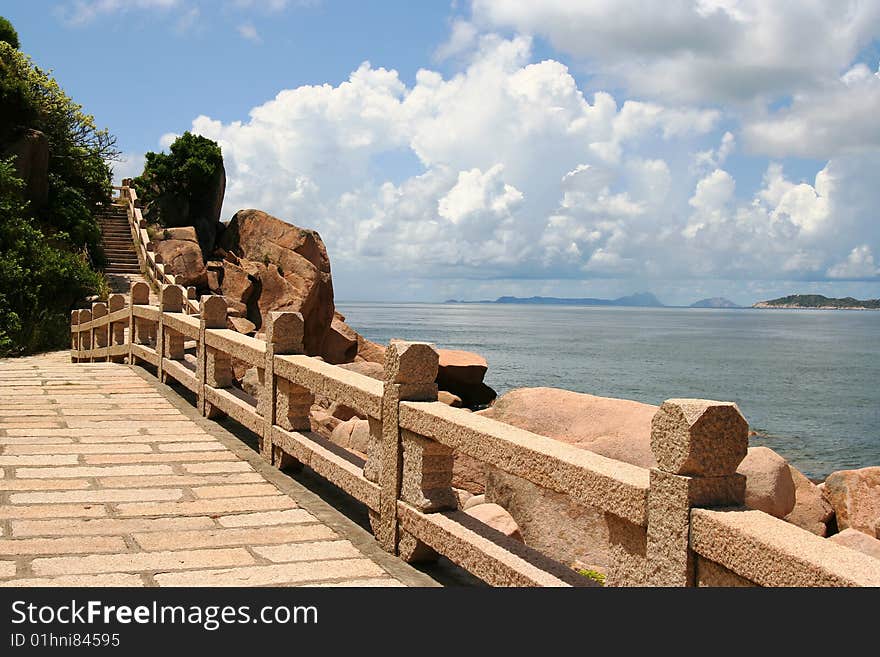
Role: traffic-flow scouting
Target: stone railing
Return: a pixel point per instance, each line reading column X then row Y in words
column 151, row 262
column 679, row 524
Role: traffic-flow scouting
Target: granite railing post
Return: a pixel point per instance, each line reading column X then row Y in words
column 698, row 445
column 410, row 374
column 99, row 333
column 282, row 402
column 116, row 330
column 169, row 343
column 214, row 367
column 74, row 336
column 85, row 337
column 140, row 329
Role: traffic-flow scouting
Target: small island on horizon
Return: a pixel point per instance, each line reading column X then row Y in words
column 819, row 302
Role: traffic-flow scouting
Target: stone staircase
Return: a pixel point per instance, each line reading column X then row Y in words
column 116, row 241
column 123, row 267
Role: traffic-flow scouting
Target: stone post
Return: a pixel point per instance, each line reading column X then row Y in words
column 282, row 402
column 74, row 336
column 142, row 330
column 214, row 367
column 698, row 445
column 410, row 374
column 169, row 343
column 99, row 333
column 116, row 329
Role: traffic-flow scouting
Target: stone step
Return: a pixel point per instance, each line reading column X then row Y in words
column 122, row 269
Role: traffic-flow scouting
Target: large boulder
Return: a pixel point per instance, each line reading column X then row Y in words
column 856, row 540
column 461, row 373
column 855, row 496
column 769, row 484
column 617, row 428
column 31, row 152
column 292, row 266
column 551, row 522
column 183, row 259
column 811, row 510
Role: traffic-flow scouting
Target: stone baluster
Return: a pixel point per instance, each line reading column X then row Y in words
column 169, row 343
column 395, row 456
column 116, row 329
column 215, row 367
column 85, row 337
column 74, row 336
column 99, row 333
column 698, row 445
column 282, row 402
column 143, row 331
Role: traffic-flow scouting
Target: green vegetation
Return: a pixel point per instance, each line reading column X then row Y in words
column 40, row 277
column 819, row 301
column 8, row 33
column 594, row 575
column 180, row 184
column 53, row 173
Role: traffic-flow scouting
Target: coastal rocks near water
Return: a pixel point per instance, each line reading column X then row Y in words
column 855, row 496
column 769, row 484
column 617, row 428
column 811, row 510
column 461, row 373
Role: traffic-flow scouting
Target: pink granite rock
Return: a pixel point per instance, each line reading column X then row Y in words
column 769, row 484
column 497, row 518
column 855, row 496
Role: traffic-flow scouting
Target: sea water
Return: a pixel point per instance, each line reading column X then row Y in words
column 807, row 381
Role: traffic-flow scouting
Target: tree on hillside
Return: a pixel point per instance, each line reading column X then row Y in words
column 185, row 186
column 8, row 33
column 40, row 278
column 53, row 173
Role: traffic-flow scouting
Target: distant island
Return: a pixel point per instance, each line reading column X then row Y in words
column 641, row 300
column 715, row 302
column 819, row 302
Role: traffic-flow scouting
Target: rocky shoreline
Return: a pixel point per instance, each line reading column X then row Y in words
column 765, row 305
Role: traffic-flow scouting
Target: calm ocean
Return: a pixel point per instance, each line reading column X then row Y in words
column 807, row 381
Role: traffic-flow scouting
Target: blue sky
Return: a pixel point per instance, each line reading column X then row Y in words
column 480, row 148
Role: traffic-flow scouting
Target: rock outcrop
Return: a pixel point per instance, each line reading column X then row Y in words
column 769, row 484
column 289, row 268
column 855, row 496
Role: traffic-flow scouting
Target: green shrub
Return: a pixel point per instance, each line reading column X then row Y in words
column 41, row 280
column 8, row 33
column 182, row 178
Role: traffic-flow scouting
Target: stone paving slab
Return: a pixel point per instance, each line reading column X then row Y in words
column 106, row 479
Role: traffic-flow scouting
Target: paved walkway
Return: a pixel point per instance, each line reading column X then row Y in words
column 107, row 480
